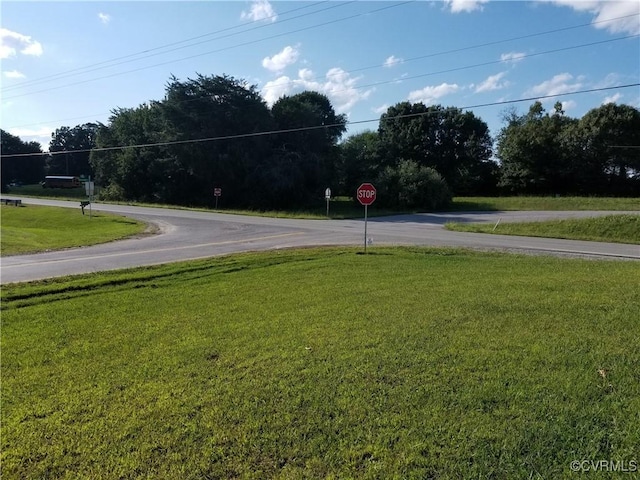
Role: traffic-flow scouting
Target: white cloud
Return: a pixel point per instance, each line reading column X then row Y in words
column 568, row 105
column 337, row 85
column 41, row 135
column 392, row 61
column 275, row 89
column 493, row 83
column 14, row 74
column 340, row 87
column 306, row 74
column 611, row 80
column 458, row 6
column 260, row 10
column 12, row 42
column 604, row 10
column 561, row 83
column 429, row 95
column 279, row 61
column 104, row 18
column 513, row 57
column 381, row 109
column 612, row 99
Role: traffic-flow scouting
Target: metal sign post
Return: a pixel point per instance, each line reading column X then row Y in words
column 89, row 188
column 365, row 228
column 217, row 192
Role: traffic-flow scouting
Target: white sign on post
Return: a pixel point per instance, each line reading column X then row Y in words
column 89, row 188
column 327, row 196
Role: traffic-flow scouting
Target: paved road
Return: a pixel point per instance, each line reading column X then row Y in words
column 186, row 235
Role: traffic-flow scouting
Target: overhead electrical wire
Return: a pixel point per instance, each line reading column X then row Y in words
column 316, row 127
column 496, row 42
column 102, row 65
column 465, row 67
column 109, row 63
column 244, row 44
column 493, row 62
column 470, row 47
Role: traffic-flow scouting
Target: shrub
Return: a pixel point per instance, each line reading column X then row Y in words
column 409, row 185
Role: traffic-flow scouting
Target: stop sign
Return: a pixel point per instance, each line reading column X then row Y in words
column 366, row 194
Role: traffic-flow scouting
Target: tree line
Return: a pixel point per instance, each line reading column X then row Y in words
column 217, row 131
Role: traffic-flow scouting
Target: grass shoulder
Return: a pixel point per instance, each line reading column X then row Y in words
column 545, row 203
column 33, row 228
column 609, row 228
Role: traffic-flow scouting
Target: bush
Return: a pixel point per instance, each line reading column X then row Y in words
column 409, row 185
column 112, row 192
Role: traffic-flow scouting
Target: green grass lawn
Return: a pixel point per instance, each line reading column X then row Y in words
column 544, row 203
column 610, row 228
column 35, row 228
column 324, row 363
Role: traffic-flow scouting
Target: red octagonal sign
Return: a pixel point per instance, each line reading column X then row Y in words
column 366, row 194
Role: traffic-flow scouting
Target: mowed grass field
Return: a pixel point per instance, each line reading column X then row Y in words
column 33, row 228
column 545, row 203
column 609, row 228
column 325, row 363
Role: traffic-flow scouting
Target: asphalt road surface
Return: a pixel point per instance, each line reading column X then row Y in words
column 187, row 235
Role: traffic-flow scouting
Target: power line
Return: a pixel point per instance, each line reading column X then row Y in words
column 316, row 127
column 330, row 22
column 109, row 63
column 493, row 62
column 497, row 42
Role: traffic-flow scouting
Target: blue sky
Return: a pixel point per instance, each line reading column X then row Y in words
column 68, row 63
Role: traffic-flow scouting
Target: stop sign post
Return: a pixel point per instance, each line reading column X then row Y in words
column 366, row 195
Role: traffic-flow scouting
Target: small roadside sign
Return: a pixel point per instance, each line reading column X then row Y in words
column 217, row 192
column 327, row 196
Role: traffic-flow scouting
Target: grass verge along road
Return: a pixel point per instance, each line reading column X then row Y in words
column 35, row 228
column 610, row 228
column 316, row 363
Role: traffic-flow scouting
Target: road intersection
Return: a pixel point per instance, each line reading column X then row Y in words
column 189, row 234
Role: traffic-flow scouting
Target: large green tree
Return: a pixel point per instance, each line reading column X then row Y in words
column 141, row 173
column 306, row 152
column 26, row 169
column 532, row 149
column 198, row 137
column 550, row 153
column 456, row 144
column 227, row 112
column 358, row 162
column 608, row 141
column 76, row 142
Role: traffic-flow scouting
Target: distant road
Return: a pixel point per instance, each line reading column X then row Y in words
column 187, row 235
